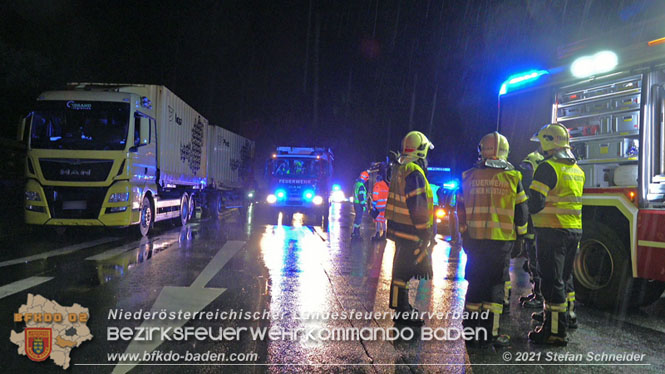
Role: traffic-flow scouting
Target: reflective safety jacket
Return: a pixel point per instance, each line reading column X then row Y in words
column 380, row 195
column 494, row 203
column 557, row 193
column 410, row 206
column 359, row 193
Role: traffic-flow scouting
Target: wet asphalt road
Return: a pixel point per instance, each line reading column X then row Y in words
column 302, row 274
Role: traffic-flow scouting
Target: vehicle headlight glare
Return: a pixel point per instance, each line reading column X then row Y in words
column 119, row 197
column 32, row 196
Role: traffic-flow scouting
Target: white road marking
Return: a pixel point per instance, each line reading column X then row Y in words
column 23, row 284
column 57, row 252
column 192, row 299
column 116, row 251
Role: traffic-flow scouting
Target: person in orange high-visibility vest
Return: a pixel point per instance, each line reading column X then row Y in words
column 379, row 200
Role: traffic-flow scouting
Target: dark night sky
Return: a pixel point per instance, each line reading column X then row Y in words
column 372, row 68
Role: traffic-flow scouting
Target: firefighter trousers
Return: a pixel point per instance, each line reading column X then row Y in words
column 556, row 250
column 358, row 208
column 485, row 265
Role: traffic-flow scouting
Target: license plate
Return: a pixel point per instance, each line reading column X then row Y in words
column 74, row 205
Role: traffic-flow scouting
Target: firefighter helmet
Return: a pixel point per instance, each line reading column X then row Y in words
column 415, row 146
column 364, row 176
column 494, row 146
column 531, row 161
column 552, row 136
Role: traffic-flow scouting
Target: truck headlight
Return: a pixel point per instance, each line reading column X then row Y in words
column 317, row 200
column 271, row 199
column 119, row 197
column 32, row 196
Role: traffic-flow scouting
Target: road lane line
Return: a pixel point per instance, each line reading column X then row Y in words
column 191, row 299
column 57, row 252
column 23, row 284
column 116, row 251
column 217, row 263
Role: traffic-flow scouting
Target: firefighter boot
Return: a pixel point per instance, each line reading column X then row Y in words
column 535, row 299
column 535, row 294
column 527, row 297
column 572, row 317
column 405, row 314
column 507, row 291
column 553, row 329
column 356, row 232
column 538, row 317
column 533, row 303
column 491, row 324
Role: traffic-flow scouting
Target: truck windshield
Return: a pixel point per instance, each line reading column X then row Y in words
column 79, row 125
column 296, row 168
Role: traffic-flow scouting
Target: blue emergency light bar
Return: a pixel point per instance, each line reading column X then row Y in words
column 433, row 168
column 521, row 79
column 451, row 185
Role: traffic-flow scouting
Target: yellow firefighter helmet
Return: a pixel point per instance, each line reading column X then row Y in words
column 415, row 146
column 552, row 136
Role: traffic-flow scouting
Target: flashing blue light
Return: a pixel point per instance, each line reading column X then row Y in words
column 450, row 185
column 281, row 194
column 336, row 187
column 308, row 195
column 434, row 168
column 521, row 79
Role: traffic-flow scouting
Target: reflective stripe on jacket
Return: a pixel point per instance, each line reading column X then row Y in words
column 563, row 203
column 409, row 209
column 380, row 195
column 359, row 193
column 490, row 196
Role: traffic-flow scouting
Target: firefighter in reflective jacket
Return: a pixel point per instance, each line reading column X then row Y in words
column 493, row 214
column 379, row 200
column 556, row 208
column 359, row 202
column 409, row 212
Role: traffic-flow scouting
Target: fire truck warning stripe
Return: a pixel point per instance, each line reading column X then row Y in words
column 648, row 243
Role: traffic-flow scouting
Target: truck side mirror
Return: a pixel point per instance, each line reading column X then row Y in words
column 145, row 131
column 21, row 135
column 141, row 130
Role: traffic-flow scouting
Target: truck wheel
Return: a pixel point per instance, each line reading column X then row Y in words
column 602, row 272
column 184, row 209
column 192, row 208
column 646, row 291
column 147, row 217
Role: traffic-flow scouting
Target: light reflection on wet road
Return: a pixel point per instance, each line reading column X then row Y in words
column 294, row 270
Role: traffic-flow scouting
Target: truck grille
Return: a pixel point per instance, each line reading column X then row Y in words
column 75, row 202
column 73, row 170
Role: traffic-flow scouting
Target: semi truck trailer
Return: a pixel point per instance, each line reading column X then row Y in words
column 117, row 155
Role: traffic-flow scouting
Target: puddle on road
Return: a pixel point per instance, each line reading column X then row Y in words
column 116, row 266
